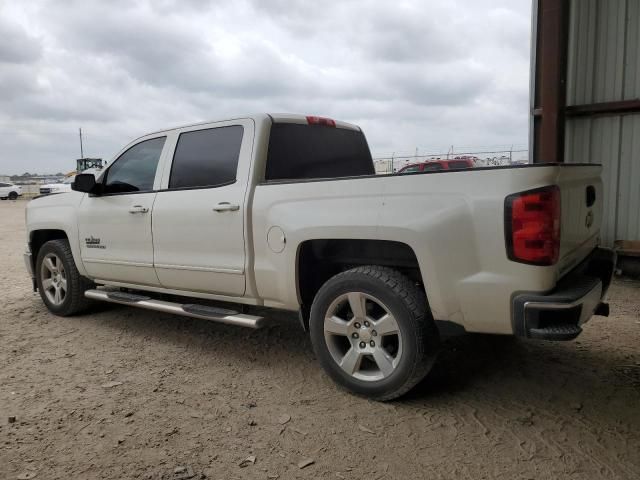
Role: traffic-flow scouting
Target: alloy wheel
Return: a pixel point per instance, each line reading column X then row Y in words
column 54, row 279
column 363, row 336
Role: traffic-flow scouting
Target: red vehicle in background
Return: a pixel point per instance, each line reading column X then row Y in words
column 437, row 165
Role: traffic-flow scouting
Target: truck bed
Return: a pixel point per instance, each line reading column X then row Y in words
column 453, row 220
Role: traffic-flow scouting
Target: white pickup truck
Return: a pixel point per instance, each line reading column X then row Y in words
column 65, row 185
column 285, row 211
column 57, row 187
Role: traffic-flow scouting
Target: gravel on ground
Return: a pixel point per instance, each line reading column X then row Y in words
column 126, row 393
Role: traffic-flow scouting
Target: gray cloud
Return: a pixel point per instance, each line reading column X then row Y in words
column 17, row 46
column 413, row 74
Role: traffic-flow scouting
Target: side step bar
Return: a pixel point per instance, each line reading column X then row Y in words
column 204, row 312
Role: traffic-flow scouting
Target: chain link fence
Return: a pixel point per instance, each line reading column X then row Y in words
column 394, row 164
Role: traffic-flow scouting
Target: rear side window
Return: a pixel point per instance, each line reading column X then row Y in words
column 4, row 185
column 300, row 152
column 135, row 169
column 206, row 158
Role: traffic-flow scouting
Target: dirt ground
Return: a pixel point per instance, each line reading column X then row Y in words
column 124, row 393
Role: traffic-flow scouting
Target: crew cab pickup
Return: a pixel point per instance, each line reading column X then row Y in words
column 285, row 211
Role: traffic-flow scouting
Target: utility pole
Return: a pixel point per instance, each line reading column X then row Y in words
column 81, row 151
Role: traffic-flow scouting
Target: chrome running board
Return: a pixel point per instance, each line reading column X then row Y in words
column 204, row 312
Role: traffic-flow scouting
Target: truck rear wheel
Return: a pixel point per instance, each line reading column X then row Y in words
column 60, row 284
column 373, row 333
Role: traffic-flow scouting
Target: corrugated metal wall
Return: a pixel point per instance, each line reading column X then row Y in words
column 604, row 66
column 614, row 142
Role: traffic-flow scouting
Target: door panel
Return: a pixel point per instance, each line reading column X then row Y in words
column 197, row 248
column 115, row 225
column 114, row 243
column 198, row 219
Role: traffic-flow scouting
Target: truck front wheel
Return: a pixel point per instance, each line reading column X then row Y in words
column 373, row 333
column 60, row 284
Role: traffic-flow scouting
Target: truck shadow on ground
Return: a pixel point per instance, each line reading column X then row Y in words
column 467, row 365
column 561, row 372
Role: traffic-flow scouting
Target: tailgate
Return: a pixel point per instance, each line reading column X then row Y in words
column 581, row 212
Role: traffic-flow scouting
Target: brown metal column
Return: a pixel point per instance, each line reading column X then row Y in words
column 551, row 80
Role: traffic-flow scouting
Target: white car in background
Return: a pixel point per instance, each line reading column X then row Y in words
column 10, row 191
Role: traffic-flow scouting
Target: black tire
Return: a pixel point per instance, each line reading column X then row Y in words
column 74, row 301
column 13, row 196
column 407, row 303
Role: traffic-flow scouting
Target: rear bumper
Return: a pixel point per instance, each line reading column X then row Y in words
column 560, row 313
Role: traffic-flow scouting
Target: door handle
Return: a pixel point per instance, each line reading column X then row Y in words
column 138, row 209
column 226, row 207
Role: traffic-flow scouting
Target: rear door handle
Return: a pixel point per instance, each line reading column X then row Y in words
column 138, row 209
column 226, row 207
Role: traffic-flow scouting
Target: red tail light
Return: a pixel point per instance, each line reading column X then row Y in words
column 327, row 122
column 532, row 226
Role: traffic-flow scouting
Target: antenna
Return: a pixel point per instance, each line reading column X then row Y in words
column 81, row 151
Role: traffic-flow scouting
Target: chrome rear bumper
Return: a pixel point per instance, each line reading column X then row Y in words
column 560, row 314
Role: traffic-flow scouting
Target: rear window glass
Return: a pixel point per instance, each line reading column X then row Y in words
column 298, row 152
column 206, row 158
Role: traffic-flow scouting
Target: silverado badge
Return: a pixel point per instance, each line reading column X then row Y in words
column 92, row 242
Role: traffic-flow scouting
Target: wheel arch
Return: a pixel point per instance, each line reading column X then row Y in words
column 37, row 238
column 320, row 259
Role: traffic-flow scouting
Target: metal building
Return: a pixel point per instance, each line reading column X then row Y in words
column 585, row 100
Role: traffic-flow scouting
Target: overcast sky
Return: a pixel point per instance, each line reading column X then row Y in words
column 419, row 73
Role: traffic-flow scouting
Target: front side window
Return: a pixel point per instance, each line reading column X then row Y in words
column 206, row 158
column 135, row 169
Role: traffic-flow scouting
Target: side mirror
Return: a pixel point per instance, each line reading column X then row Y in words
column 84, row 182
